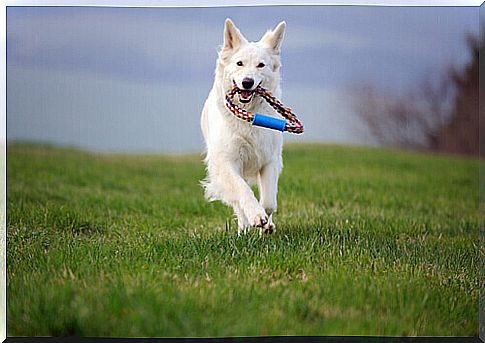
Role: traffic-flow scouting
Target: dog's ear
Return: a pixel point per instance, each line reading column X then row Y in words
column 273, row 39
column 233, row 38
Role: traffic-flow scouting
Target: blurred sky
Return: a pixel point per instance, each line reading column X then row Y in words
column 135, row 79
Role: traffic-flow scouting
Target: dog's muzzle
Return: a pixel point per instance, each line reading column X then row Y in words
column 246, row 95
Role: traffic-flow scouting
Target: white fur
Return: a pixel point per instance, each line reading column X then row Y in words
column 239, row 154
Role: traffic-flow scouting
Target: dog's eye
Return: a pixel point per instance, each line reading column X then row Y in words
column 261, row 65
column 239, row 63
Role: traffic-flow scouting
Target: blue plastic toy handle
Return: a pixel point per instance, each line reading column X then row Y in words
column 269, row 122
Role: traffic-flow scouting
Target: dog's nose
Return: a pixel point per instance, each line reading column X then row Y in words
column 247, row 83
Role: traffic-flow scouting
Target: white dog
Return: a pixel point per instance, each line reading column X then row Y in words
column 239, row 154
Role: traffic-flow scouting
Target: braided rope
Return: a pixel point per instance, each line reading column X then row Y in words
column 293, row 125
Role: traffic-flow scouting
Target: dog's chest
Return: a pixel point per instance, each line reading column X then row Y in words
column 254, row 149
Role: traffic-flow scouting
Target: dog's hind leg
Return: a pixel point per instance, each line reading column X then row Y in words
column 242, row 220
column 268, row 189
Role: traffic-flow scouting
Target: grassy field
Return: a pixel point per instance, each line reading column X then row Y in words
column 370, row 242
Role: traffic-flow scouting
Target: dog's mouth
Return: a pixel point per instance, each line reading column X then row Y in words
column 246, row 96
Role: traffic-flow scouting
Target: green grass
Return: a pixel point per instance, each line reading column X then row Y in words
column 370, row 242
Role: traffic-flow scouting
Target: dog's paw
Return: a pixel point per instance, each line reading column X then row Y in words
column 260, row 219
column 243, row 230
column 269, row 228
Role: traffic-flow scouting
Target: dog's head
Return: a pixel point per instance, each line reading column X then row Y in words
column 250, row 64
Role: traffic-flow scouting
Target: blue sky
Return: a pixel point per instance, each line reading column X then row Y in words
column 135, row 79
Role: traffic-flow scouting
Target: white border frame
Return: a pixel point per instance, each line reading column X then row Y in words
column 131, row 3
column 226, row 3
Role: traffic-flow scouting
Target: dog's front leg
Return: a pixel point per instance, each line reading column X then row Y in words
column 268, row 189
column 236, row 192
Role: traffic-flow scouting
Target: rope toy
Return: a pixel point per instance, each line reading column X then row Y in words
column 290, row 124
